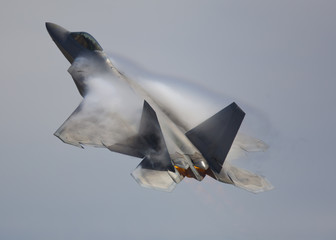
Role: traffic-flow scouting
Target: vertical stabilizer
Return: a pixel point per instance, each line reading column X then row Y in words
column 214, row 136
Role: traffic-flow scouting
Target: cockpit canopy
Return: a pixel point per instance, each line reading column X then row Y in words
column 86, row 41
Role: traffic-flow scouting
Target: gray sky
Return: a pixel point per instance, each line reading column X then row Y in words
column 278, row 56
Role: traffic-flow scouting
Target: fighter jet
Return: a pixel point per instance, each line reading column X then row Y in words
column 124, row 116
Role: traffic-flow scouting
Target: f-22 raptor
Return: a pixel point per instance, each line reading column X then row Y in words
column 169, row 149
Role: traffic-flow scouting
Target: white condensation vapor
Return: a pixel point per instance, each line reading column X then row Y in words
column 189, row 104
column 193, row 104
column 110, row 111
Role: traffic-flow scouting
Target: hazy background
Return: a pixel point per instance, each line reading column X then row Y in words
column 276, row 55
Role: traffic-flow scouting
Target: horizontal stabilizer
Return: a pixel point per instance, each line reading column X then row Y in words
column 148, row 176
column 214, row 136
column 247, row 180
column 158, row 180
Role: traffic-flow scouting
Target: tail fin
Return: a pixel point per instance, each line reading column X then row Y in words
column 148, row 143
column 156, row 169
column 214, row 137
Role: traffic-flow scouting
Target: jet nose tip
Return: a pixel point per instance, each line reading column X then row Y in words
column 50, row 26
column 55, row 31
column 62, row 40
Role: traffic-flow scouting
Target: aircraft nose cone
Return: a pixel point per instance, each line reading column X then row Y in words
column 56, row 32
column 61, row 37
column 50, row 26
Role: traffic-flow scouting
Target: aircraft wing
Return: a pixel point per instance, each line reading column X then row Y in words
column 85, row 127
column 107, row 129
